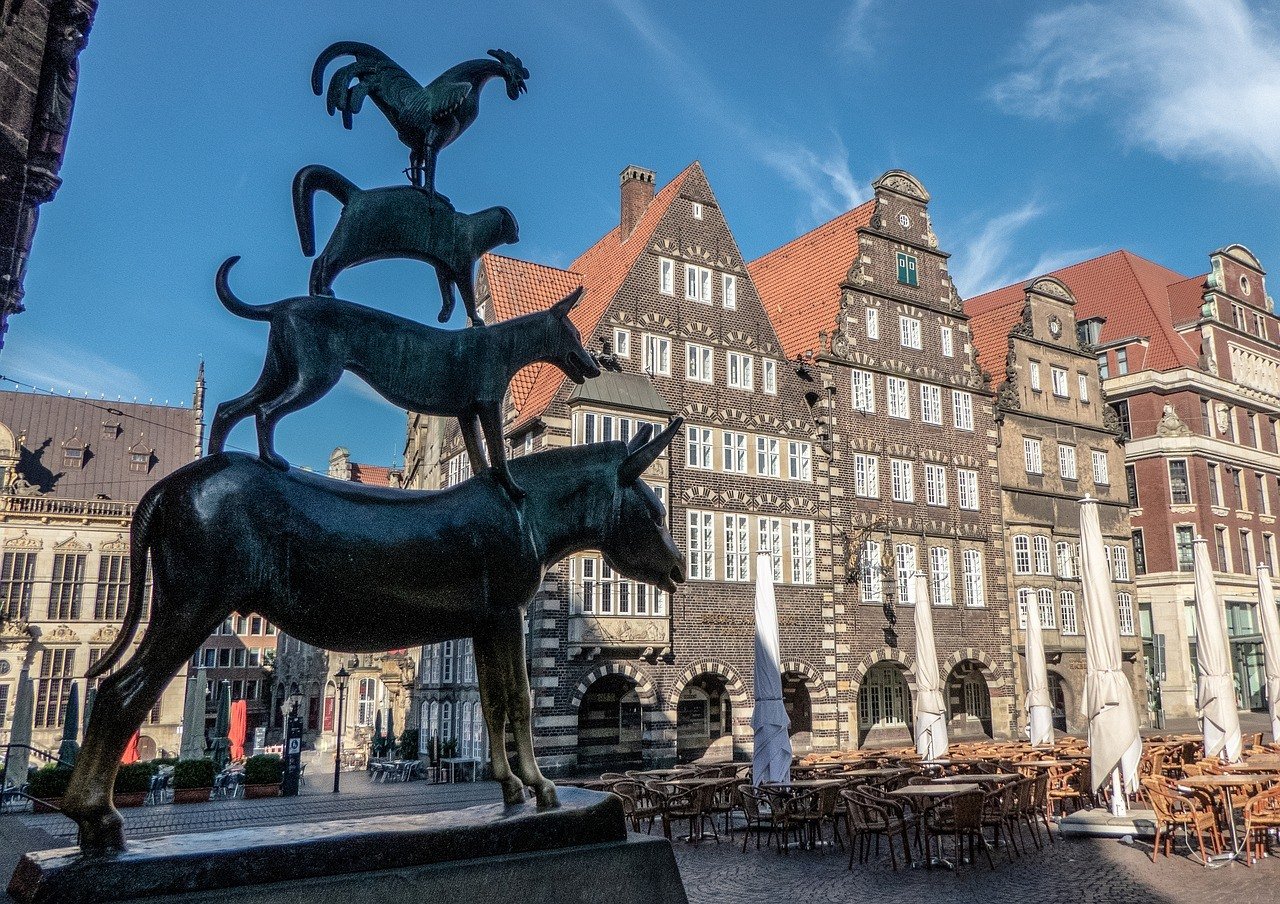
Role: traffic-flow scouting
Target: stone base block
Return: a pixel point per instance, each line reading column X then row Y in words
column 1101, row 824
column 579, row 852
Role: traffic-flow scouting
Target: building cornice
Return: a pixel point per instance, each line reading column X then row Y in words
column 1204, row 446
column 1184, row 379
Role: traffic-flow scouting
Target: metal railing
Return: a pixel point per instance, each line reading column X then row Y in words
column 76, row 508
column 18, row 791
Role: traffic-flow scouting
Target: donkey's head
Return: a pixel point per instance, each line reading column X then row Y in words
column 562, row 343
column 637, row 542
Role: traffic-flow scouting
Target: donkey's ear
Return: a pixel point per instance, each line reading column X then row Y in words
column 640, row 437
column 639, row 459
column 566, row 304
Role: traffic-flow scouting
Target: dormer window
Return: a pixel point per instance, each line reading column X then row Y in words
column 73, row 453
column 141, row 457
column 110, row 429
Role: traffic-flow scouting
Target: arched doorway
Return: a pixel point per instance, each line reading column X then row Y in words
column 1058, row 697
column 969, row 699
column 610, row 725
column 796, row 701
column 884, row 707
column 146, row 748
column 704, row 720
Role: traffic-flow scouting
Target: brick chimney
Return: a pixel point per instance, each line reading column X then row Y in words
column 637, row 192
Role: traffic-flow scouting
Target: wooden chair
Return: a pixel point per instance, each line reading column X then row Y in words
column 1261, row 815
column 1000, row 814
column 1173, row 810
column 1064, row 786
column 960, row 816
column 759, row 813
column 869, row 816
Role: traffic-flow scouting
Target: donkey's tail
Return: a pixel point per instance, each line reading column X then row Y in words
column 233, row 304
column 308, row 181
column 139, row 546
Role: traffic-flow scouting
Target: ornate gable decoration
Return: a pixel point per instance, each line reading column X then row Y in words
column 23, row 541
column 117, row 545
column 60, row 634
column 72, row 544
column 105, row 634
column 1054, row 288
column 902, row 183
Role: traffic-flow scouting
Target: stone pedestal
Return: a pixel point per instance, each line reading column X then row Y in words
column 579, row 852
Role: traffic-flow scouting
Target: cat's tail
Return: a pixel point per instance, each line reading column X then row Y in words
column 308, row 181
column 233, row 304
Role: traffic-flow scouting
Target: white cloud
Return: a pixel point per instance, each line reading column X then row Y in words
column 52, row 366
column 823, row 176
column 1187, row 79
column 855, row 28
column 357, row 387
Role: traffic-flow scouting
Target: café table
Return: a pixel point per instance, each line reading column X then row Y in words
column 882, row 773
column 982, row 778
column 1225, row 783
column 925, row 797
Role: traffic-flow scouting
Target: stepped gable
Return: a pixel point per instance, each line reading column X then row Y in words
column 800, row 282
column 1137, row 297
column 600, row 271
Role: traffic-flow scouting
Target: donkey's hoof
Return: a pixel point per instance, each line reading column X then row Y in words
column 101, row 834
column 545, row 793
column 513, row 792
column 276, row 460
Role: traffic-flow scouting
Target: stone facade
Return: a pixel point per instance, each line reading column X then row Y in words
column 71, row 474
column 40, row 42
column 1055, row 448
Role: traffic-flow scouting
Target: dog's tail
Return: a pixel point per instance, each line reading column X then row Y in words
column 140, row 543
column 308, row 181
column 233, row 304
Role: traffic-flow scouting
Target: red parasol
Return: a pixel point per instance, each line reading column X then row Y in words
column 239, row 718
column 130, row 752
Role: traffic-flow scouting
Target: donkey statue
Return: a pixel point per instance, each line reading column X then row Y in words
column 356, row 568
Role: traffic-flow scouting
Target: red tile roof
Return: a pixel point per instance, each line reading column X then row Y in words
column 1135, row 295
column 600, row 270
column 1186, row 299
column 991, row 329
column 799, row 283
column 374, row 475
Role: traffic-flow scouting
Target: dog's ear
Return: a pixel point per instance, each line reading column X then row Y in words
column 566, row 304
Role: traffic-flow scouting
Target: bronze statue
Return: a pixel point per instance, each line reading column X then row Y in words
column 400, row 221
column 356, row 568
column 426, row 117
column 459, row 373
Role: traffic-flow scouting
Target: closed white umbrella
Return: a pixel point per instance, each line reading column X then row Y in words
column 1114, row 745
column 193, row 745
column 1270, row 645
column 931, row 708
column 771, row 760
column 1215, row 691
column 1039, row 706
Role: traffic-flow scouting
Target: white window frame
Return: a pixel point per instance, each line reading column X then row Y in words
column 1022, row 554
column 697, row 284
column 699, row 362
column 769, row 375
column 1067, row 461
column 903, row 479
column 1025, row 596
column 768, row 462
column 802, row 552
column 904, row 557
column 872, row 577
column 699, row 441
column 1034, row 369
column 1048, row 607
column 935, row 484
column 909, row 335
column 1082, row 382
column 940, row 588
column 975, row 591
column 770, row 535
column 695, row 208
column 737, row 548
column 1124, row 603
column 666, row 276
column 866, row 476
column 1040, row 546
column 930, row 404
column 657, row 355
column 1032, row 458
column 947, row 340
column 862, row 391
column 729, row 291
column 967, row 489
column 701, row 545
column 1058, row 379
column 1065, row 560
column 621, row 342
column 733, row 449
column 739, row 371
column 962, row 409
column 898, row 392
column 799, row 461
column 873, row 322
column 1101, row 471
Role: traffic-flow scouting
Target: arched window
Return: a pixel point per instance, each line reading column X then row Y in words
column 424, row 728
column 1125, row 602
column 1048, row 620
column 1025, row 595
column 1066, row 565
column 1042, row 556
column 883, row 698
column 1068, row 613
column 446, row 721
column 465, row 730
column 435, row 718
column 1022, row 554
column 366, row 701
column 477, row 731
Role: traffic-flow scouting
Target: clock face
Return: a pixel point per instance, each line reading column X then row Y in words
column 904, row 221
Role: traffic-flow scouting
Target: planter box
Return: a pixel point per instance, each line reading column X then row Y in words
column 129, row 798
column 191, row 795
column 253, row 792
column 46, row 805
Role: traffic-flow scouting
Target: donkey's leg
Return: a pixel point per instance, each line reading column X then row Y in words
column 493, row 703
column 509, row 637
column 123, row 701
column 323, row 273
column 469, row 424
column 491, row 423
column 230, row 413
column 308, row 386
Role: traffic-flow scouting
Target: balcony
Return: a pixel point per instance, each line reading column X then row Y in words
column 591, row 634
column 49, row 507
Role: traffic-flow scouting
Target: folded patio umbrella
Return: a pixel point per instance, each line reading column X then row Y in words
column 69, row 749
column 931, row 707
column 1215, row 690
column 220, row 749
column 1270, row 622
column 239, row 721
column 1107, row 702
column 130, row 755
column 193, row 743
column 1039, row 706
column 771, row 759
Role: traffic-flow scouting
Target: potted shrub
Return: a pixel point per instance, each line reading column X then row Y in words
column 262, row 775
column 133, row 782
column 409, row 744
column 192, row 781
column 47, row 785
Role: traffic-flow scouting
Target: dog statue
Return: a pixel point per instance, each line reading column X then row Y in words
column 399, row 221
column 458, row 373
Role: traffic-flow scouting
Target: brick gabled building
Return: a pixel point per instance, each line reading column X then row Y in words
column 1191, row 369
column 620, row 671
column 865, row 304
column 1056, row 446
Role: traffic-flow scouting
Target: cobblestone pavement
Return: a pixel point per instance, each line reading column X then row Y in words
column 1070, row 872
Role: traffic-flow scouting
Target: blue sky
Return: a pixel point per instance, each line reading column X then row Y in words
column 1045, row 132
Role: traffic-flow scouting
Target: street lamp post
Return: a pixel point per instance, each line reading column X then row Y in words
column 341, row 679
column 292, row 745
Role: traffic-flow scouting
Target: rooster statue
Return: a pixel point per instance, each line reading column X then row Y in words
column 427, row 118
